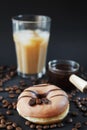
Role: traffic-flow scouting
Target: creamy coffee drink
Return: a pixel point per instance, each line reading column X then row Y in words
column 31, row 50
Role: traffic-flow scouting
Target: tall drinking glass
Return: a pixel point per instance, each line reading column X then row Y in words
column 31, row 36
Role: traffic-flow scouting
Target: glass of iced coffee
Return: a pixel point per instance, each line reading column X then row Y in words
column 31, row 36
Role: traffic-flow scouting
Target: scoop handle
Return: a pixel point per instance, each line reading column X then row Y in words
column 78, row 82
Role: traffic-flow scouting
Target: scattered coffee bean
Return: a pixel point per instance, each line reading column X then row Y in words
column 2, row 126
column 32, row 126
column 60, row 125
column 1, row 83
column 14, row 124
column 78, row 125
column 9, row 127
column 74, row 129
column 12, row 95
column 84, row 109
column 38, row 126
column 18, row 128
column 18, row 91
column 2, row 117
column 69, row 120
column 85, row 123
column 39, row 129
column 1, row 97
column 2, row 68
column 9, row 112
column 2, row 121
column 74, row 113
column 27, row 123
column 53, row 126
column 10, row 106
column 1, row 89
column 8, row 122
column 85, row 114
column 45, row 127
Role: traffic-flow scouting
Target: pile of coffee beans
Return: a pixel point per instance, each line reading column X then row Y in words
column 35, row 101
column 10, row 90
column 8, row 125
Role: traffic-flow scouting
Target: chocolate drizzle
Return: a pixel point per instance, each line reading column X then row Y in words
column 40, row 98
column 24, row 97
column 59, row 95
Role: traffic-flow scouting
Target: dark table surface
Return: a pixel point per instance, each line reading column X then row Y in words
column 11, row 85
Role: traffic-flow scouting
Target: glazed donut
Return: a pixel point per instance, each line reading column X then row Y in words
column 43, row 104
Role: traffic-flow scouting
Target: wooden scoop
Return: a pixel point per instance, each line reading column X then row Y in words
column 78, row 82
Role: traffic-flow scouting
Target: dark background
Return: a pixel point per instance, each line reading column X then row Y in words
column 68, row 30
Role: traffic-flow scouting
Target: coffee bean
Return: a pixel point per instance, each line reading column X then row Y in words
column 45, row 126
column 12, row 95
column 1, row 83
column 18, row 128
column 14, row 104
column 8, row 122
column 53, row 126
column 4, row 101
column 69, row 120
column 14, row 124
column 79, row 106
column 10, row 106
column 27, row 122
column 83, row 102
column 74, row 113
column 78, row 125
column 2, row 117
column 1, row 89
column 11, row 92
column 9, row 112
column 32, row 102
column 60, row 125
column 85, row 114
column 84, row 109
column 85, row 123
column 2, row 68
column 1, row 97
column 9, row 127
column 32, row 126
column 78, row 98
column 12, row 73
column 7, row 89
column 2, row 121
column 18, row 91
column 2, row 126
column 74, row 129
column 39, row 129
column 38, row 126
column 5, row 105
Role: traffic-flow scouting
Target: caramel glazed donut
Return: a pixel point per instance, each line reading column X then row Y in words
column 43, row 104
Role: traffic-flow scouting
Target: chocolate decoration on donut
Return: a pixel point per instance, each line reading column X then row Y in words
column 58, row 95
column 40, row 98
